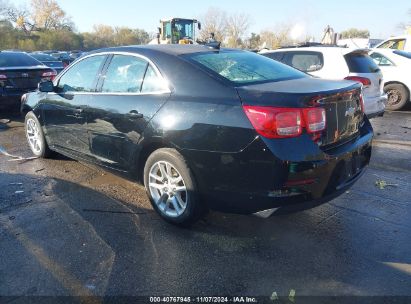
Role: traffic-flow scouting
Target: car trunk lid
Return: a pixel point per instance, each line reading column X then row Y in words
column 340, row 99
column 22, row 78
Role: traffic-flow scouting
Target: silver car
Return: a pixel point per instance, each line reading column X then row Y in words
column 339, row 63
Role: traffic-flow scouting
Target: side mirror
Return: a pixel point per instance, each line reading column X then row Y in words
column 199, row 26
column 46, row 86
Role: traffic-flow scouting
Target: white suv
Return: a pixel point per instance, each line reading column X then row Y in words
column 339, row 63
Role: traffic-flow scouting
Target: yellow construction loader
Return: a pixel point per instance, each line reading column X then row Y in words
column 177, row 31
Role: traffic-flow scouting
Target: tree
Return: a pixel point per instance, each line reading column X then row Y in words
column 213, row 21
column 20, row 17
column 355, row 33
column 48, row 15
column 237, row 27
column 254, row 42
column 277, row 37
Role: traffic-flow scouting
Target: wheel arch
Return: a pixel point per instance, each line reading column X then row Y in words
column 145, row 152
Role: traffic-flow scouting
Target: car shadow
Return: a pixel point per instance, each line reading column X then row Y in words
column 61, row 238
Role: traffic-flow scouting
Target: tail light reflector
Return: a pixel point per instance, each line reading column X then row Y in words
column 314, row 119
column 365, row 81
column 275, row 122
column 50, row 74
column 272, row 122
column 362, row 103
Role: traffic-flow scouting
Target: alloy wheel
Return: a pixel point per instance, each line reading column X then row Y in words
column 167, row 188
column 33, row 135
column 394, row 97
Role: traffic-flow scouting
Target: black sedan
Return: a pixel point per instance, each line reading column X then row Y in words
column 49, row 61
column 205, row 128
column 19, row 74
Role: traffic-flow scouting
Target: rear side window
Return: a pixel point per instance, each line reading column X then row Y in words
column 276, row 56
column 361, row 63
column 403, row 54
column 305, row 61
column 381, row 60
column 125, row 74
column 241, row 67
column 17, row 60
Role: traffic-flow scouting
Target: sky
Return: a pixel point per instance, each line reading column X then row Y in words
column 378, row 16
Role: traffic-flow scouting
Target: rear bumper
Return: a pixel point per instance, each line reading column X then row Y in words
column 291, row 174
column 375, row 106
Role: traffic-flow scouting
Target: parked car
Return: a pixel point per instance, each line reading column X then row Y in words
column 19, row 73
column 402, row 43
column 339, row 63
column 49, row 61
column 63, row 57
column 205, row 128
column 396, row 67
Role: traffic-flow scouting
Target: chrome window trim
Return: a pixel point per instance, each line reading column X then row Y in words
column 149, row 61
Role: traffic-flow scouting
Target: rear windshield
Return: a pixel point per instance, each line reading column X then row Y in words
column 361, row 63
column 17, row 60
column 243, row 68
column 403, row 53
column 43, row 57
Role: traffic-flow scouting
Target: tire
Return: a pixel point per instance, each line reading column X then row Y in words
column 35, row 136
column 175, row 199
column 397, row 96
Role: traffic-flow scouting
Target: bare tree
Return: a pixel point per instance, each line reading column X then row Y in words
column 214, row 21
column 237, row 27
column 21, row 18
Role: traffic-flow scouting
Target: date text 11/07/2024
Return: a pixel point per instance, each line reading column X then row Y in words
column 235, row 299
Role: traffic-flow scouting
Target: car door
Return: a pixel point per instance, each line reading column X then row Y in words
column 388, row 68
column 63, row 110
column 131, row 91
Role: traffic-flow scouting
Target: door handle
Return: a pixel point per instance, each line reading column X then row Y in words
column 78, row 110
column 135, row 114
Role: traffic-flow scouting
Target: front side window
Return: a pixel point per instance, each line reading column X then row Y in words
column 381, row 60
column 125, row 74
column 241, row 68
column 81, row 77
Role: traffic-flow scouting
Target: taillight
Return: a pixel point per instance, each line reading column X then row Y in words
column 3, row 77
column 50, row 75
column 365, row 81
column 314, row 119
column 275, row 122
column 362, row 103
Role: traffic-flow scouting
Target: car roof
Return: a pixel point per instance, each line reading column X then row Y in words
column 321, row 49
column 171, row 49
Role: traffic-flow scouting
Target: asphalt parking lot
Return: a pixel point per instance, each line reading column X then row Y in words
column 70, row 229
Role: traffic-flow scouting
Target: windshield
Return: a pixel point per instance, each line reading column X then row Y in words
column 242, row 67
column 17, row 60
column 183, row 29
